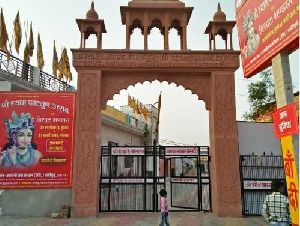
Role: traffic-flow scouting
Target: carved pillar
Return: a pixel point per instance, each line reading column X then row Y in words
column 145, row 37
column 209, row 41
column 166, row 38
column 226, row 188
column 99, row 40
column 184, row 45
column 85, row 197
column 231, row 44
column 146, row 27
column 181, row 43
column 214, row 41
column 127, row 31
column 81, row 38
column 127, row 38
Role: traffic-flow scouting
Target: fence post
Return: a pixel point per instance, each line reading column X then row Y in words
column 36, row 76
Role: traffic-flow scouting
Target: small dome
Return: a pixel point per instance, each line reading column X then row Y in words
column 92, row 14
column 219, row 15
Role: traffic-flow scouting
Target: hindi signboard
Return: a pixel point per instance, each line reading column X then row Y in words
column 184, row 180
column 265, row 28
column 127, row 151
column 181, row 151
column 127, row 180
column 36, row 139
column 285, row 121
column 291, row 177
column 286, row 124
column 257, row 185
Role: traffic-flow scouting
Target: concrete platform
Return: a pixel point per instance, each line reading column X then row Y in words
column 136, row 219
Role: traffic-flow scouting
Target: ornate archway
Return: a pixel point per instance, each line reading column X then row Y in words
column 209, row 74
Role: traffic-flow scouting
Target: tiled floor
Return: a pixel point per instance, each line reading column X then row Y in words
column 136, row 219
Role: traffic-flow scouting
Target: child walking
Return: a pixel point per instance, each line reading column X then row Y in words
column 164, row 208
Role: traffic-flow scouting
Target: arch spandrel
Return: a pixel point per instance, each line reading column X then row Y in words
column 191, row 69
column 195, row 82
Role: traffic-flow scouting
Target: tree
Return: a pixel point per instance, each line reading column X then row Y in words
column 261, row 96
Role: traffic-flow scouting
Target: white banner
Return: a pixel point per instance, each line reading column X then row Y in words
column 127, row 180
column 127, row 151
column 257, row 185
column 181, row 151
column 184, row 180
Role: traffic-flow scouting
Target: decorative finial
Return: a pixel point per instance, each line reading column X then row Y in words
column 219, row 7
column 92, row 14
column 219, row 15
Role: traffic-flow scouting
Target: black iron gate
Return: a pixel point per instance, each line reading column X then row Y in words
column 131, row 178
column 257, row 172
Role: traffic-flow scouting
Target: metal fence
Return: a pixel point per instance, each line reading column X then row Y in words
column 257, row 172
column 131, row 178
column 24, row 71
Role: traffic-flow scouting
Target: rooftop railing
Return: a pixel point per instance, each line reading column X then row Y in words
column 31, row 74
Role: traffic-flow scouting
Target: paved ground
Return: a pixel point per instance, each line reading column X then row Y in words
column 136, row 219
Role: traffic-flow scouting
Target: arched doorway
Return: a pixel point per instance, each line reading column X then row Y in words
column 209, row 74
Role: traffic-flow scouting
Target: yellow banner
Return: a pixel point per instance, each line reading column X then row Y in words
column 291, row 177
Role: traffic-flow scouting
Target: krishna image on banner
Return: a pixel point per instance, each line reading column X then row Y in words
column 20, row 151
column 252, row 37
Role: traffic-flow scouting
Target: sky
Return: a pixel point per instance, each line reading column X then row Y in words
column 184, row 119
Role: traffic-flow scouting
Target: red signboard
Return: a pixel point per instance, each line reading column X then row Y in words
column 36, row 139
column 265, row 28
column 285, row 121
column 238, row 5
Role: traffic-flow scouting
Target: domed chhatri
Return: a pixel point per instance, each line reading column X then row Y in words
column 91, row 25
column 219, row 15
column 163, row 14
column 219, row 26
column 92, row 14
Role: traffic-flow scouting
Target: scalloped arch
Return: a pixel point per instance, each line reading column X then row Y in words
column 156, row 22
column 176, row 25
column 197, row 83
column 136, row 23
column 89, row 31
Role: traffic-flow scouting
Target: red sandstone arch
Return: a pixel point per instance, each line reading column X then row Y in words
column 209, row 74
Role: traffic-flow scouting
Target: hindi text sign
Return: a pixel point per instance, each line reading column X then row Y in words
column 36, row 139
column 285, row 121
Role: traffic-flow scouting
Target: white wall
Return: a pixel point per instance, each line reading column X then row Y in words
column 122, row 137
column 257, row 137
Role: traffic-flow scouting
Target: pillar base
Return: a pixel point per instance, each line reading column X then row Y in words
column 234, row 211
column 85, row 211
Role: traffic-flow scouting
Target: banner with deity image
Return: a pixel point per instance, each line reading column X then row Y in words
column 36, row 139
column 265, row 28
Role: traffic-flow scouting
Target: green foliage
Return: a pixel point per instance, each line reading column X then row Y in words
column 261, row 95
